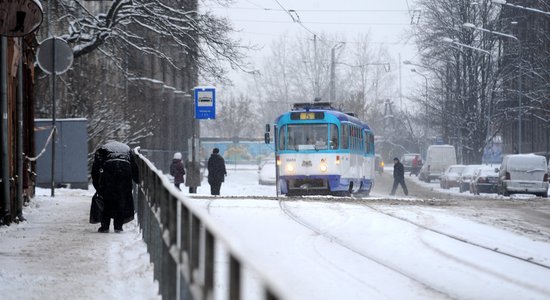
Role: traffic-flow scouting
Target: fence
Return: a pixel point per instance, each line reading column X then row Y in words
column 181, row 243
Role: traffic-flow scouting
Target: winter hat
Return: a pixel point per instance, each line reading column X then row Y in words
column 177, row 155
column 395, row 158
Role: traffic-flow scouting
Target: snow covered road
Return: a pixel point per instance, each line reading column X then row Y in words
column 338, row 250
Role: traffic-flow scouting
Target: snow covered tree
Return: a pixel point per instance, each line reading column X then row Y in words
column 460, row 65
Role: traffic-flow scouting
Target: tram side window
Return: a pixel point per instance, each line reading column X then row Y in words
column 371, row 143
column 333, row 136
column 345, row 136
column 282, row 138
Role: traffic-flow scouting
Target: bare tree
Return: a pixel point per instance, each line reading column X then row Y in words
column 202, row 35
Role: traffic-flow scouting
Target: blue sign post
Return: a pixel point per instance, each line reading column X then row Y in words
column 205, row 103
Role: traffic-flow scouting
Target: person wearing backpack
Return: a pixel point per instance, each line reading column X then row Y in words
column 113, row 170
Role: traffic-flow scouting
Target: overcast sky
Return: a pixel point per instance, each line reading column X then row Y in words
column 262, row 21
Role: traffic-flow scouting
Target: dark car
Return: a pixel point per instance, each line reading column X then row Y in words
column 484, row 180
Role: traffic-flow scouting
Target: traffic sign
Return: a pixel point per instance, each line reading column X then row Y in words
column 205, row 103
column 19, row 18
column 54, row 51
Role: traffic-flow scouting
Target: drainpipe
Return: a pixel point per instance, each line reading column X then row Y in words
column 19, row 149
column 4, row 129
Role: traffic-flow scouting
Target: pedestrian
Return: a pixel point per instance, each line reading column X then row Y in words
column 113, row 170
column 216, row 171
column 398, row 177
column 193, row 175
column 177, row 170
column 416, row 165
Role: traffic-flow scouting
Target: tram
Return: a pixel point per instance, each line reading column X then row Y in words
column 321, row 150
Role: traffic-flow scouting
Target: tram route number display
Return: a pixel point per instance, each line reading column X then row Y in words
column 307, row 116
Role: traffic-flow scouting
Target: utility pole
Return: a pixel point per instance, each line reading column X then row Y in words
column 316, row 66
column 333, row 71
column 400, row 86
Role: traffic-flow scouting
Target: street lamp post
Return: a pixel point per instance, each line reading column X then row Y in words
column 427, row 123
column 504, row 2
column 520, row 105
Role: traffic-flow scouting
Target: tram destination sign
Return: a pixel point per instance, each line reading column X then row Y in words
column 307, row 115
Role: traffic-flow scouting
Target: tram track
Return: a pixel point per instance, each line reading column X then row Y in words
column 341, row 243
column 323, row 232
column 529, row 260
column 351, row 200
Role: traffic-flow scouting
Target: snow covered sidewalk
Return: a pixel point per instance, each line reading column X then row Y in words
column 58, row 254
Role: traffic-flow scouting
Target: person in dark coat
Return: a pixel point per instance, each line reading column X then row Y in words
column 113, row 170
column 177, row 170
column 216, row 171
column 398, row 177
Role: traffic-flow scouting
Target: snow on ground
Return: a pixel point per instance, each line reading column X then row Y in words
column 58, row 254
column 315, row 249
column 338, row 250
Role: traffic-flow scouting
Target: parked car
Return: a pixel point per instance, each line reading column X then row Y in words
column 466, row 177
column 379, row 164
column 407, row 160
column 450, row 177
column 438, row 158
column 484, row 180
column 266, row 172
column 523, row 173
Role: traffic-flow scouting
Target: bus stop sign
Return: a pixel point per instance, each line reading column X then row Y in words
column 205, row 103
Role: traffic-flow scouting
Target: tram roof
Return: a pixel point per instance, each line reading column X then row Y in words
column 327, row 108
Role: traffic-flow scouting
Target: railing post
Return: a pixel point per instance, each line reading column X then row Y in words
column 194, row 243
column 234, row 278
column 209, row 244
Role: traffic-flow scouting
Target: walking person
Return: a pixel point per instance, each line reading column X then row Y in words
column 398, row 177
column 216, row 171
column 193, row 175
column 177, row 170
column 113, row 170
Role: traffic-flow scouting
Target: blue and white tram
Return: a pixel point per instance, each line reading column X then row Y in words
column 321, row 150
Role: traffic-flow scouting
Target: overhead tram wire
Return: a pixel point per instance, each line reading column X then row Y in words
column 295, row 19
column 324, row 10
column 325, row 23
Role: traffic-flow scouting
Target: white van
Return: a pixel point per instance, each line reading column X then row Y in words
column 523, row 173
column 438, row 158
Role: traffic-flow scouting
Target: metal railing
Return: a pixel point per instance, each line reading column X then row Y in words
column 181, row 243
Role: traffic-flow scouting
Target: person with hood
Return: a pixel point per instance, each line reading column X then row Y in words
column 398, row 177
column 177, row 170
column 216, row 171
column 113, row 170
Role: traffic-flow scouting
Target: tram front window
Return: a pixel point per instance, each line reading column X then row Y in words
column 307, row 137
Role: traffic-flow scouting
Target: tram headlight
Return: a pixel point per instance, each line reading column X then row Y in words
column 323, row 167
column 337, row 159
column 290, row 168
